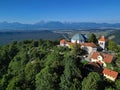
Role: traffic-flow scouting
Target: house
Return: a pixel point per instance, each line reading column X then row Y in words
column 63, row 42
column 110, row 74
column 102, row 42
column 79, row 38
column 89, row 47
column 101, row 57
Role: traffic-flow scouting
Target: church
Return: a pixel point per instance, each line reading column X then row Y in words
column 102, row 42
column 79, row 38
column 82, row 39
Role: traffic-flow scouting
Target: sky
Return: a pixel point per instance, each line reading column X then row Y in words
column 33, row 11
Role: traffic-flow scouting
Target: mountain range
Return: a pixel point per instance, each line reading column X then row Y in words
column 51, row 25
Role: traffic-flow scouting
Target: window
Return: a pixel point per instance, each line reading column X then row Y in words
column 101, row 43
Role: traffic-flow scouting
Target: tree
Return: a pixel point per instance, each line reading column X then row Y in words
column 52, row 57
column 4, row 59
column 17, row 83
column 71, row 77
column 113, row 46
column 28, row 64
column 76, row 50
column 31, row 70
column 117, row 84
column 76, row 84
column 49, row 77
column 13, row 50
column 91, row 82
column 35, row 43
column 110, row 88
column 47, row 80
column 4, row 81
column 93, row 38
column 17, row 65
column 117, row 63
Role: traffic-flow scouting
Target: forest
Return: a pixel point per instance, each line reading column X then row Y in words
column 43, row 65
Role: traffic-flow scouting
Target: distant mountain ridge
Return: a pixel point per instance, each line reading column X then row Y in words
column 56, row 25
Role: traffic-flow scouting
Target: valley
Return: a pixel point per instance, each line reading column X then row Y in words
column 8, row 36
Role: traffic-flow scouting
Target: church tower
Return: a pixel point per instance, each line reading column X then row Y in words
column 102, row 42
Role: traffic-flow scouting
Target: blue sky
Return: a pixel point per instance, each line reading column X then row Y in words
column 31, row 11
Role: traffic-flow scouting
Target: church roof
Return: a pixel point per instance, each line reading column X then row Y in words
column 89, row 44
column 80, row 37
column 103, row 38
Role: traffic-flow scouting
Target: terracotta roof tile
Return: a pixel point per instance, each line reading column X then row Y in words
column 106, row 57
column 95, row 55
column 63, row 41
column 102, row 38
column 89, row 44
column 110, row 73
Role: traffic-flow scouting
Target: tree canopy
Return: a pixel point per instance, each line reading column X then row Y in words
column 91, row 82
column 93, row 38
column 42, row 65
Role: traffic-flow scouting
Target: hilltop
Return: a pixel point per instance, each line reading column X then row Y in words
column 43, row 64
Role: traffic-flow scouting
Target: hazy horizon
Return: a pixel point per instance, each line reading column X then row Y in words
column 43, row 21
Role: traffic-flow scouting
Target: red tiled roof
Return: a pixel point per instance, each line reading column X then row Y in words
column 102, row 38
column 89, row 44
column 106, row 57
column 63, row 41
column 111, row 73
column 95, row 55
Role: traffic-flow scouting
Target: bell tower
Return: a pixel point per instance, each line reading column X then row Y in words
column 102, row 42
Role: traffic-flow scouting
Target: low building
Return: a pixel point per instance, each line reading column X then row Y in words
column 63, row 42
column 112, row 75
column 89, row 47
column 101, row 57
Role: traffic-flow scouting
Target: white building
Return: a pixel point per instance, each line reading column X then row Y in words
column 112, row 75
column 102, row 42
column 63, row 42
column 101, row 58
column 89, row 47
